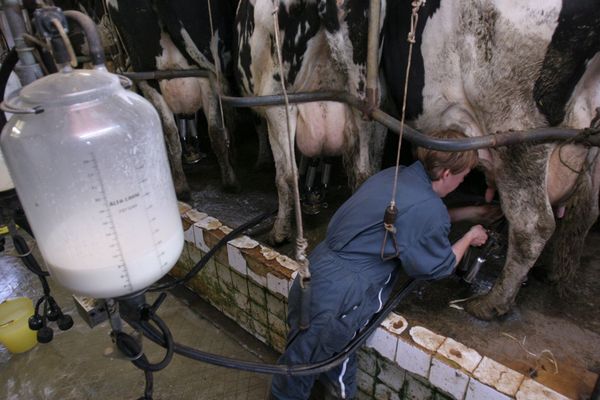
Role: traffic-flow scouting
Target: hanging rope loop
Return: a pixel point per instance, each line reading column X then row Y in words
column 391, row 211
column 301, row 243
column 414, row 18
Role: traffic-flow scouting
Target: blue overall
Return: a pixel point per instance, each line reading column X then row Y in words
column 350, row 282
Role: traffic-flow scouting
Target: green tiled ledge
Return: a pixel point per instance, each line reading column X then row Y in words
column 249, row 282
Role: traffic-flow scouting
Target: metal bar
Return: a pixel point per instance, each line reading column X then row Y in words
column 372, row 53
column 28, row 70
column 539, row 135
column 167, row 74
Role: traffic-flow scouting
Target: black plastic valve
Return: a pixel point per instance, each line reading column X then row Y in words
column 65, row 322
column 53, row 313
column 35, row 322
column 45, row 335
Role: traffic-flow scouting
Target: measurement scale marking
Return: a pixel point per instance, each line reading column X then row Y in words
column 111, row 225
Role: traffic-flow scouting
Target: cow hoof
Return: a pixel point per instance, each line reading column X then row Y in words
column 481, row 307
column 277, row 238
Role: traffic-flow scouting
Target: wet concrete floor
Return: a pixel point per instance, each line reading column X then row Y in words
column 74, row 365
column 541, row 327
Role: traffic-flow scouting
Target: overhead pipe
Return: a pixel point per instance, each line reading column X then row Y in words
column 546, row 134
column 414, row 136
column 91, row 34
column 167, row 74
column 373, row 54
column 28, row 70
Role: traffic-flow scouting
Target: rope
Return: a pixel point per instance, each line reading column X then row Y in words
column 391, row 211
column 416, row 5
column 65, row 39
column 301, row 243
column 216, row 57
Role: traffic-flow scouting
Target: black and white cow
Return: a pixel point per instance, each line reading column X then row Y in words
column 483, row 66
column 172, row 35
column 324, row 47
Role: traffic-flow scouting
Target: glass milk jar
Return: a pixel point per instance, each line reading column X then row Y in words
column 89, row 165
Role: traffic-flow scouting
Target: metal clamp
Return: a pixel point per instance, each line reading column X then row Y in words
column 7, row 106
column 125, row 81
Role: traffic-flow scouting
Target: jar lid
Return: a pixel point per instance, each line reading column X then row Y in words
column 66, row 88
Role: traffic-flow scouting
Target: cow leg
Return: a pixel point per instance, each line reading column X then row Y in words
column 566, row 245
column 362, row 156
column 219, row 137
column 172, row 141
column 521, row 183
column 264, row 158
column 284, row 176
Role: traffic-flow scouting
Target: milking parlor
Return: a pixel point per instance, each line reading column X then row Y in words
column 300, row 199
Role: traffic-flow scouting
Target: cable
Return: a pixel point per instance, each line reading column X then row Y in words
column 28, row 259
column 301, row 369
column 204, row 260
column 7, row 67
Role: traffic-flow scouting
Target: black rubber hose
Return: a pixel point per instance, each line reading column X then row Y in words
column 149, row 385
column 131, row 348
column 301, row 369
column 29, row 260
column 204, row 260
column 7, row 67
column 91, row 34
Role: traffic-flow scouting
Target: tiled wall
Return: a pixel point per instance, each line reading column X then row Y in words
column 249, row 283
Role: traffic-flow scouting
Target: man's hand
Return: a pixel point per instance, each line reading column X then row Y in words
column 477, row 235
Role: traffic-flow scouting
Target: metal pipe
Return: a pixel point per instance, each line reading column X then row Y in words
column 167, row 74
column 539, row 135
column 28, row 70
column 91, row 34
column 372, row 54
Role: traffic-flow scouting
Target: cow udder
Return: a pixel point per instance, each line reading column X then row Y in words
column 320, row 128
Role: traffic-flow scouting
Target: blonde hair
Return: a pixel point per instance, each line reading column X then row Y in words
column 435, row 161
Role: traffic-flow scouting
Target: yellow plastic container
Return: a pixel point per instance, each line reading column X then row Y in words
column 14, row 328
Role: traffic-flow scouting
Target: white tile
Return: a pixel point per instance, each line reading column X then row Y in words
column 195, row 215
column 532, row 390
column 244, row 242
column 466, row 357
column 209, row 223
column 412, row 358
column 199, row 238
column 384, row 342
column 426, row 338
column 268, row 253
column 277, row 285
column 188, row 235
column 236, row 259
column 450, row 380
column 225, row 229
column 395, row 323
column 478, row 391
column 287, row 262
column 498, row 376
column 183, row 207
column 259, row 279
column 390, row 374
column 384, row 392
